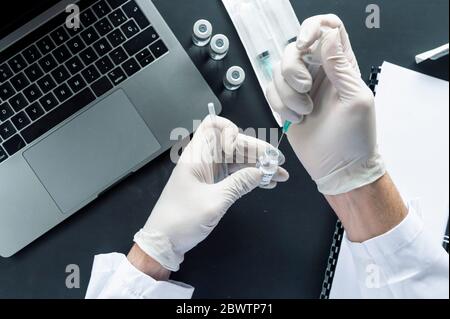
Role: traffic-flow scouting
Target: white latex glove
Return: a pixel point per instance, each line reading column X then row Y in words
column 336, row 141
column 215, row 170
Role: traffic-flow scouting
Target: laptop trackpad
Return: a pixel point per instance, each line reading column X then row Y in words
column 92, row 151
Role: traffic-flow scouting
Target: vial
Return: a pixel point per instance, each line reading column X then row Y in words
column 234, row 78
column 219, row 46
column 202, row 33
column 268, row 165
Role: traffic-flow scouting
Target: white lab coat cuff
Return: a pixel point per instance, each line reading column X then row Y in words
column 392, row 241
column 394, row 264
column 114, row 277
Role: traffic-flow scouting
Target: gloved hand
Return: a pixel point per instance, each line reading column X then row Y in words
column 215, row 169
column 336, row 141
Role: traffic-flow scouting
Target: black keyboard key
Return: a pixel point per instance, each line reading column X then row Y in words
column 46, row 84
column 101, row 8
column 103, row 26
column 31, row 54
column 64, row 111
column 117, row 76
column 143, row 54
column 32, row 93
column 59, row 36
column 104, row 65
column 74, row 65
column 87, row 17
column 73, row 30
column 60, row 74
column 5, row 112
column 62, row 92
column 131, row 66
column 5, row 73
column 132, row 10
column 158, row 48
column 89, row 35
column 45, row 45
column 88, row 56
column 49, row 102
column 118, row 56
column 17, row 63
column 102, row 47
column 6, row 91
column 62, row 54
column 19, row 82
column 14, row 144
column 140, row 41
column 34, row 72
column 117, row 17
column 90, row 74
column 7, row 130
column 34, row 111
column 101, row 86
column 76, row 45
column 77, row 83
column 20, row 120
column 116, row 3
column 18, row 102
column 116, row 38
column 130, row 29
column 3, row 155
column 147, row 60
column 48, row 63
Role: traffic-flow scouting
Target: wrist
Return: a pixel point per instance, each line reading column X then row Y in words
column 371, row 210
column 146, row 264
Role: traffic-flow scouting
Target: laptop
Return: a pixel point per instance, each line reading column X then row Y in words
column 82, row 106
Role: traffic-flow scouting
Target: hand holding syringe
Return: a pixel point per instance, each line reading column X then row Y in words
column 313, row 61
column 263, row 42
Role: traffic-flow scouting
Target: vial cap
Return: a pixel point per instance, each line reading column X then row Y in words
column 271, row 156
column 235, row 75
column 220, row 44
column 203, row 29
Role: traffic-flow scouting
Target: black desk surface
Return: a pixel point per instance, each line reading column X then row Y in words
column 271, row 244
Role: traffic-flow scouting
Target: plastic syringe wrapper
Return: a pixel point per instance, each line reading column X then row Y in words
column 265, row 28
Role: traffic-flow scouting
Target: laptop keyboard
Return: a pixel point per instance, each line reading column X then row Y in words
column 54, row 72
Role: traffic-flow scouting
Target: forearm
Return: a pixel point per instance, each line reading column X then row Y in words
column 369, row 211
column 144, row 263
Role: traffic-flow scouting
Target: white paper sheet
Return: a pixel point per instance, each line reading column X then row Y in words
column 413, row 136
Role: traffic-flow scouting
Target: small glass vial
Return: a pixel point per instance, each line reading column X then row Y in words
column 219, row 47
column 268, row 165
column 202, row 33
column 234, row 78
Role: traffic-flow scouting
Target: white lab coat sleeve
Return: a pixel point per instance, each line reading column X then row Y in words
column 114, row 277
column 403, row 263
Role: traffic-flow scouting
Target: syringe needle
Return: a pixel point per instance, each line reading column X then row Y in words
column 280, row 140
column 285, row 129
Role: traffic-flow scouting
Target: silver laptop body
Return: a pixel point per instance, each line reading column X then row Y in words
column 48, row 175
